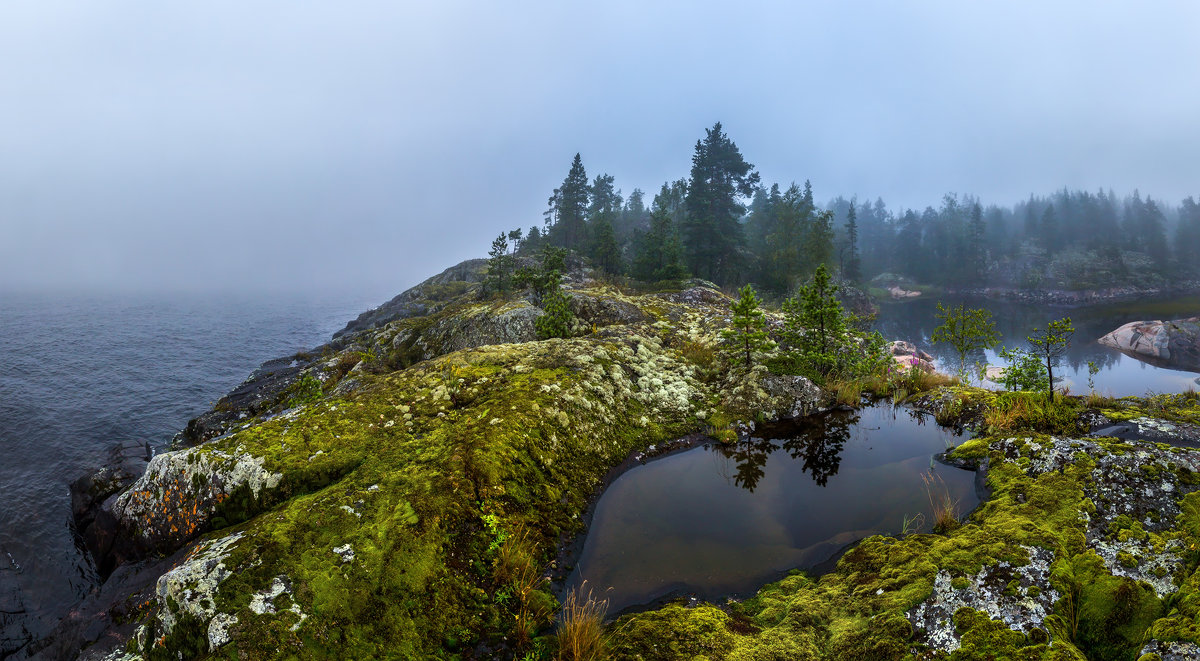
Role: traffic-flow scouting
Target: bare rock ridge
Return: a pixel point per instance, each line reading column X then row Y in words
column 1171, row 344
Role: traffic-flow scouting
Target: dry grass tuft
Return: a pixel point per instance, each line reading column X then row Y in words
column 581, row 627
column 943, row 508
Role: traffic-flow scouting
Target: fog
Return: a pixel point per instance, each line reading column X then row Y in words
column 363, row 146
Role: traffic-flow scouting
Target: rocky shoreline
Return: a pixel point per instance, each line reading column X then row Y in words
column 370, row 498
column 1073, row 298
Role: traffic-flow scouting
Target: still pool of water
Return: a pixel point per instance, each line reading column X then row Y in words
column 721, row 520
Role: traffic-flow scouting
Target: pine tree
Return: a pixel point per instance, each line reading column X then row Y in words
column 1051, row 343
column 747, row 331
column 498, row 265
column 712, row 234
column 557, row 320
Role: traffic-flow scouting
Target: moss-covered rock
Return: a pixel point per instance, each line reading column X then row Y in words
column 412, row 502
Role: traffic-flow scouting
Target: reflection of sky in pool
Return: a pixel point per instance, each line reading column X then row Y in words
column 1120, row 374
column 719, row 520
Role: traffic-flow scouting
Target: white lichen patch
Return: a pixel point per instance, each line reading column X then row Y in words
column 263, row 601
column 192, row 585
column 1175, row 650
column 218, row 629
column 1016, row 596
column 345, row 552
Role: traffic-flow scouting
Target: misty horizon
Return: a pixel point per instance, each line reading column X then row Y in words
column 303, row 148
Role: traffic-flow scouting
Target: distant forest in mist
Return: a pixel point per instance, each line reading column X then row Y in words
column 723, row 223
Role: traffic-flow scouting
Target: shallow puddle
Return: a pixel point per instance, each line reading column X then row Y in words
column 722, row 520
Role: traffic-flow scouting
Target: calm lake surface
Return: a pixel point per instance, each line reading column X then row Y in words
column 721, row 520
column 1120, row 375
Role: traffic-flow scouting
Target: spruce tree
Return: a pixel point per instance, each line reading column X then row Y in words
column 852, row 268
column 816, row 325
column 747, row 331
column 712, row 232
column 568, row 208
column 658, row 254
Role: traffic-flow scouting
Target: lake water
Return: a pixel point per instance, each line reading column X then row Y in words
column 1120, row 374
column 721, row 520
column 80, row 373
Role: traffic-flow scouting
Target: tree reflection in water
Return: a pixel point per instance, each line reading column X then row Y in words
column 817, row 441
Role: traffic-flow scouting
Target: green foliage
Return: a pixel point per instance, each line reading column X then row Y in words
column 567, row 216
column 851, row 262
column 500, row 262
column 305, row 391
column 604, row 249
column 558, row 320
column 968, row 330
column 1024, row 371
column 746, row 335
column 1050, row 343
column 546, row 277
column 545, row 281
column 822, row 339
column 659, row 256
column 713, row 236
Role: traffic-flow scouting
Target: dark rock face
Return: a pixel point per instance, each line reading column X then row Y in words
column 13, row 634
column 1171, row 344
column 93, row 522
column 264, row 389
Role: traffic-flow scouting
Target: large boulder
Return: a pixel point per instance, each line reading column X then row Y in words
column 1172, row 344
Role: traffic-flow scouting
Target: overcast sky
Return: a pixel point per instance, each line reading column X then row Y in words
column 363, row 146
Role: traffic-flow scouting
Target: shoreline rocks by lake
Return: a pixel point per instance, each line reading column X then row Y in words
column 1173, row 344
column 1072, row 298
column 359, row 505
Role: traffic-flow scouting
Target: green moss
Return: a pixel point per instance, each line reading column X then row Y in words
column 984, row 639
column 421, row 469
column 673, row 632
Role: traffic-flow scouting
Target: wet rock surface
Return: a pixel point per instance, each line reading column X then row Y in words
column 14, row 636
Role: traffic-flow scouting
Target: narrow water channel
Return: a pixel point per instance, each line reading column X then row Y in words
column 722, row 520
